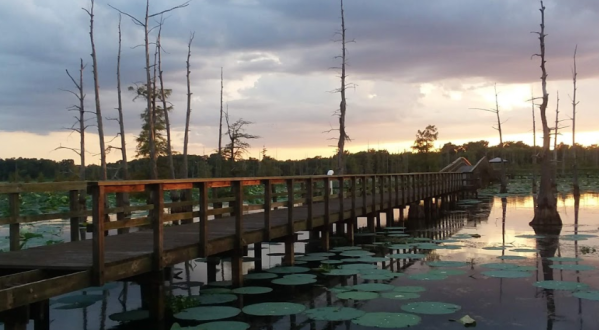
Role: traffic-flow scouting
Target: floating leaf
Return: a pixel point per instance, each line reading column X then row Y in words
column 494, row 248
column 302, row 276
column 260, row 276
column 311, row 258
column 400, row 246
column 342, row 272
column 394, row 228
column 334, row 314
column 564, row 259
column 506, row 273
column 358, row 295
column 589, row 295
column 467, row 321
column 511, row 257
column 331, row 262
column 339, row 289
column 376, row 271
column 572, row 267
column 79, row 299
column 288, row 270
column 449, row 247
column 410, row 289
column 448, row 264
column 274, row 309
column 372, row 259
column 136, row 315
column 345, row 248
column 577, row 237
column 252, row 290
column 432, row 308
column 499, row 266
column 524, row 250
column 530, row 236
column 408, row 256
column 400, row 295
column 358, row 266
column 215, row 299
column 373, row 287
column 356, row 253
column 276, row 254
column 399, row 235
column 427, row 277
column 426, row 246
column 377, row 277
column 525, row 268
column 207, row 313
column 293, row 281
column 561, row 285
column 387, row 320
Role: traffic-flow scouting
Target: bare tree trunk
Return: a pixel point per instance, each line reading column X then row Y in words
column 556, row 132
column 81, row 122
column 188, row 116
column 546, row 208
column 103, row 174
column 343, row 105
column 534, row 146
column 575, row 186
column 503, row 188
column 120, row 109
column 220, row 127
column 169, row 150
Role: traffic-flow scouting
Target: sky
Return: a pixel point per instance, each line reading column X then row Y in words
column 413, row 63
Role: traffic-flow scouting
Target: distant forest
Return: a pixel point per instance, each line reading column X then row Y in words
column 519, row 157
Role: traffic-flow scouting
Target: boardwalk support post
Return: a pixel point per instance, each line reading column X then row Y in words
column 237, row 257
column 98, row 214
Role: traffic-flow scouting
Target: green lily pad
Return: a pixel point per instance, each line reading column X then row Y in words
column 561, row 285
column 79, row 299
column 339, row 289
column 428, row 277
column 342, row 272
column 589, row 295
column 358, row 266
column 376, row 271
column 372, row 259
column 356, row 253
column 387, row 320
column 288, row 270
column 364, row 234
column 494, row 248
column 431, row 308
column 333, row 314
column 300, row 262
column 409, row 289
column 511, row 257
column 510, row 273
column 321, row 254
column 373, row 287
column 293, row 281
column 573, row 267
column 274, row 309
column 448, row 272
column 500, row 266
column 311, row 258
column 215, row 299
column 345, row 248
column 377, row 277
column 252, row 290
column 302, row 276
column 408, row 256
column 358, row 295
column 219, row 325
column 331, row 262
column 207, row 313
column 448, row 264
column 260, row 276
column 577, row 237
column 524, row 250
column 276, row 254
column 214, row 291
column 564, row 259
column 136, row 315
column 421, row 239
column 449, row 247
column 395, row 228
column 400, row 295
column 426, row 246
column 399, row 235
column 530, row 236
column 525, row 268
column 400, row 246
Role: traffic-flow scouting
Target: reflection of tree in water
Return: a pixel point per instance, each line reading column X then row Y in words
column 547, row 244
column 576, row 211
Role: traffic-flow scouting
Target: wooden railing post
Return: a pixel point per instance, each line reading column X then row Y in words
column 403, row 181
column 157, row 197
column 98, row 214
column 382, row 180
column 203, row 186
column 364, row 180
column 238, row 209
column 74, row 221
column 310, row 202
column 290, row 202
column 120, row 216
column 354, row 196
column 14, row 202
column 373, row 194
column 390, row 191
column 327, row 201
column 267, row 208
column 341, row 206
column 397, row 183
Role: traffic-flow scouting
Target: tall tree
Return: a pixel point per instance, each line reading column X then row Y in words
column 575, row 186
column 546, row 208
column 425, row 139
column 169, row 147
column 152, row 130
column 184, row 171
column 343, row 105
column 503, row 188
column 100, row 125
column 534, row 144
column 220, row 125
column 144, row 22
column 238, row 138
column 123, row 148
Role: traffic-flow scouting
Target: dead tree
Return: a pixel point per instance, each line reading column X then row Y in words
column 169, row 148
column 546, row 208
column 123, row 148
column 150, row 104
column 238, row 140
column 90, row 12
column 575, row 186
column 534, row 145
column 343, row 105
column 555, row 133
column 220, row 125
column 184, row 170
column 503, row 187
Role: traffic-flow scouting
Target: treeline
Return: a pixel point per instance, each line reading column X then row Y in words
column 519, row 156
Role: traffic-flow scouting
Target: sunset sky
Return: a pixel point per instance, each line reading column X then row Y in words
column 414, row 63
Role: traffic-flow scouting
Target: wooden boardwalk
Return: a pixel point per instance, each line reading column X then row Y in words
column 32, row 276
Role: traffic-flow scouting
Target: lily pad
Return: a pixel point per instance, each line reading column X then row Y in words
column 500, row 266
column 431, row 308
column 370, row 259
column 428, row 277
column 572, row 267
column 79, row 299
column 345, row 248
column 421, row 239
column 400, row 295
column 577, row 237
column 207, row 313
column 342, row 272
column 219, row 325
column 331, row 262
column 311, row 258
column 400, row 246
column 530, row 236
column 410, row 289
column 408, row 256
column 524, row 250
column 399, row 235
column 589, row 295
column 358, row 266
column 561, row 285
column 377, row 277
column 427, row 246
column 449, row 247
column 334, row 314
column 260, row 276
column 221, row 283
column 506, row 273
column 448, row 264
column 509, row 257
column 356, row 253
column 525, row 268
column 136, row 315
column 376, row 271
column 564, row 259
column 252, row 290
column 216, row 299
column 274, row 309
column 302, row 276
column 214, row 291
column 373, row 287
column 321, row 254
column 494, row 248
column 387, row 320
column 288, row 270
column 358, row 295
column 395, row 228
column 293, row 281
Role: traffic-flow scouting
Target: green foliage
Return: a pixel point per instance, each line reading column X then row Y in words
column 176, row 304
column 425, row 140
column 143, row 139
column 587, row 250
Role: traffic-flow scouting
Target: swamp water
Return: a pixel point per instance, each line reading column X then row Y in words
column 498, row 279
